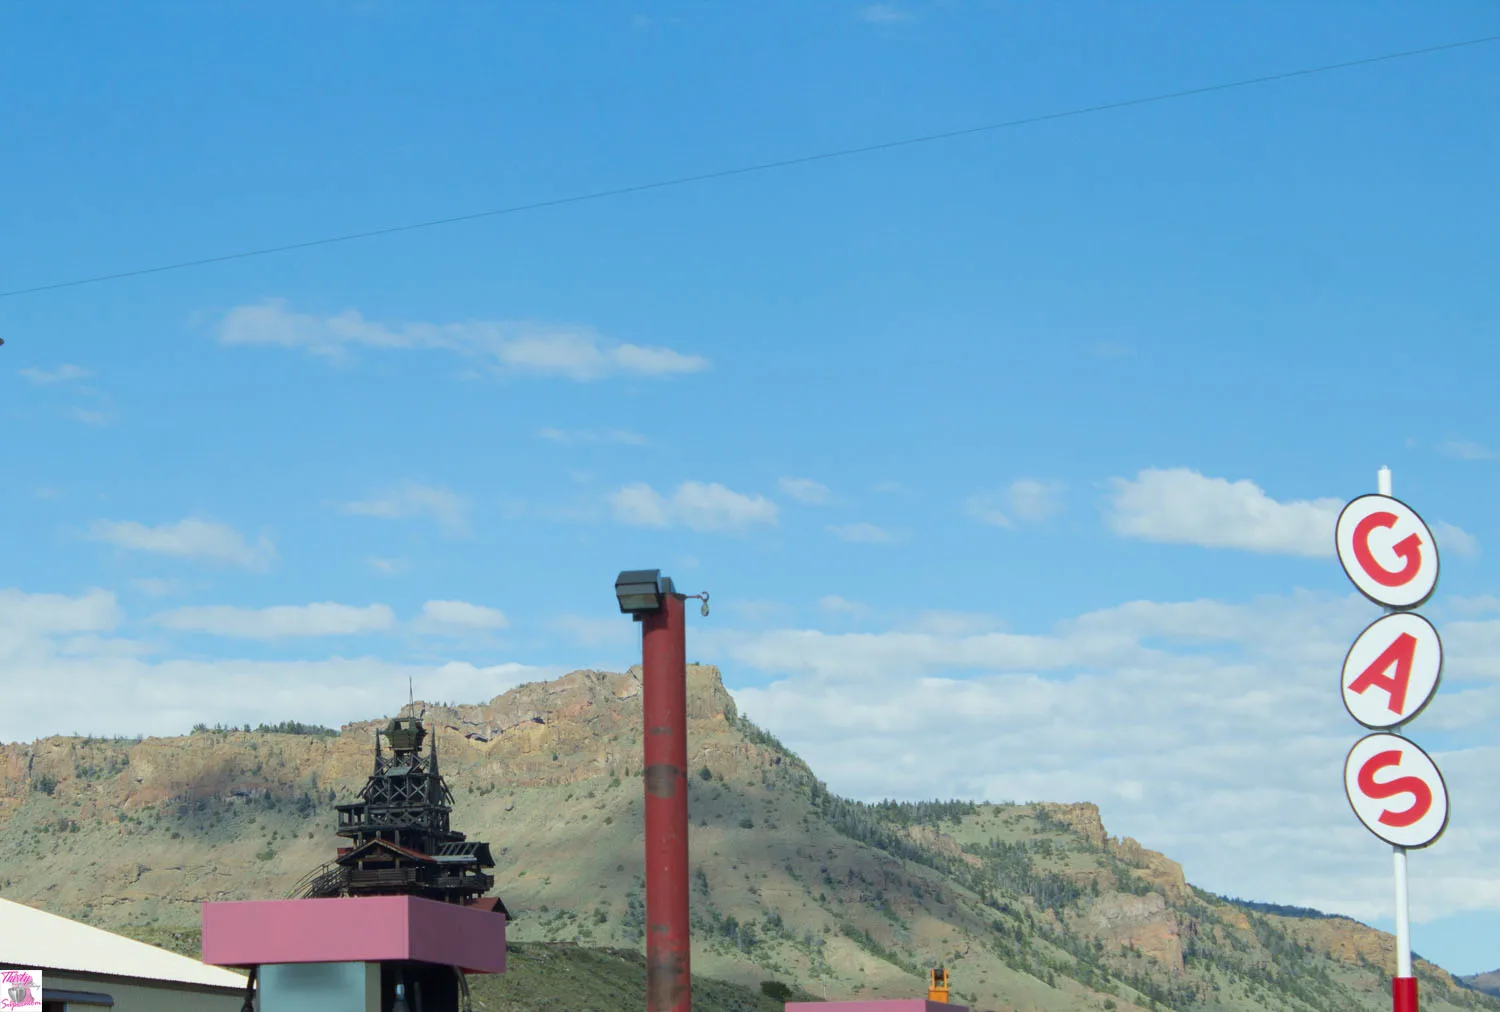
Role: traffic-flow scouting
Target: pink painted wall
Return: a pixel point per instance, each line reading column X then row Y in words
column 352, row 930
column 886, row 1005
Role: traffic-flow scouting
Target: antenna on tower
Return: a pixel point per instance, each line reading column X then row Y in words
column 411, row 694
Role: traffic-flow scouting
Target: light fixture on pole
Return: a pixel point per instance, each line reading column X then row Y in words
column 640, row 592
column 652, row 600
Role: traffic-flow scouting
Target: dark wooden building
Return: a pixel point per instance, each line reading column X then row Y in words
column 401, row 840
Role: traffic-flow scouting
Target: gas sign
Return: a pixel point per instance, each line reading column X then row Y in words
column 1396, row 790
column 1387, row 551
column 1392, row 670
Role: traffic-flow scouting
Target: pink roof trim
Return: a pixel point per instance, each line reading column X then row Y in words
column 886, row 1005
column 355, row 929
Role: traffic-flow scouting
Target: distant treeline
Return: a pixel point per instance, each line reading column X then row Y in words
column 285, row 727
column 1280, row 909
column 923, row 813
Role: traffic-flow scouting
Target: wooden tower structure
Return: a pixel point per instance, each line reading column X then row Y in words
column 400, row 838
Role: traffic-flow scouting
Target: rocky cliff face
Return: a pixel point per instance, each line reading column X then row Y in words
column 1031, row 906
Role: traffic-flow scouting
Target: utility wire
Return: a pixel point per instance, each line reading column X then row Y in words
column 744, row 170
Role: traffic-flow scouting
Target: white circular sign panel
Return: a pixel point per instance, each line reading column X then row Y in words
column 1392, row 670
column 1396, row 790
column 1387, row 551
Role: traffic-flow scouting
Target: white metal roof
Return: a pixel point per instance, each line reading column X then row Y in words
column 32, row 938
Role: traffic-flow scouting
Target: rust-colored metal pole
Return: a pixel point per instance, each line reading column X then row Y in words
column 664, row 699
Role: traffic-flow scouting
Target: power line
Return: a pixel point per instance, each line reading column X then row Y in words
column 743, row 170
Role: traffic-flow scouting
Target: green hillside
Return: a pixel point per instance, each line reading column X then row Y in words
column 1033, row 907
column 555, row 977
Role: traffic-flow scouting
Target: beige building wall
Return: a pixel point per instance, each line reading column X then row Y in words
column 136, row 995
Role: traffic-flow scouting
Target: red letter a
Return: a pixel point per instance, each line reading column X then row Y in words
column 1399, row 653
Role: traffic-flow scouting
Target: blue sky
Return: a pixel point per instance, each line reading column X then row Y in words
column 1008, row 459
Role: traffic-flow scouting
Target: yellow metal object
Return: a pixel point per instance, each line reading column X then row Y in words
column 937, row 986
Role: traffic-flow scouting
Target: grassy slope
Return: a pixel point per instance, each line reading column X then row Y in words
column 551, row 977
column 559, row 977
column 1489, row 982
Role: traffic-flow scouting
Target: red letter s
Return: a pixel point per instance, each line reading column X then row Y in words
column 1417, row 788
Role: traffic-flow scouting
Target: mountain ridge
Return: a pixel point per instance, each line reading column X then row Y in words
column 1489, row 983
column 1033, row 906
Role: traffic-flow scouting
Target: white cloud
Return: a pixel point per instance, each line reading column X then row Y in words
column 577, row 353
column 753, row 610
column 987, row 508
column 271, row 322
column 805, row 490
column 155, row 586
column 883, row 14
column 1455, row 540
column 712, row 507
column 639, row 505
column 616, row 632
column 1205, row 729
column 862, row 533
column 1479, row 604
column 199, row 540
column 62, row 374
column 280, row 621
column 952, row 623
column 452, row 617
column 1035, row 500
column 1471, row 652
column 836, row 605
column 640, row 361
column 621, row 437
column 387, row 567
column 699, row 506
column 67, row 672
column 1466, row 450
column 450, row 510
column 1181, row 506
column 1024, row 499
column 50, row 614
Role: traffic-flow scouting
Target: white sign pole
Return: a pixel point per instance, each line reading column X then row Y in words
column 1403, row 923
column 1398, row 856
